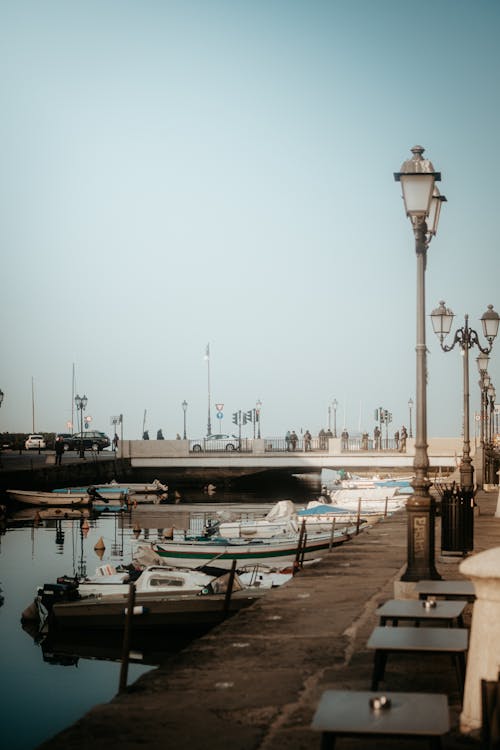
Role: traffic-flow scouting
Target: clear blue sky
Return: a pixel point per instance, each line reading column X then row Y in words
column 181, row 173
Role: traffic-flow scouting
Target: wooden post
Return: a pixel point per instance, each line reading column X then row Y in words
column 227, row 598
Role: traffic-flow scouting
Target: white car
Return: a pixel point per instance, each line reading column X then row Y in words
column 216, row 443
column 35, row 441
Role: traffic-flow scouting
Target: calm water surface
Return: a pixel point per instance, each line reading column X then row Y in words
column 48, row 686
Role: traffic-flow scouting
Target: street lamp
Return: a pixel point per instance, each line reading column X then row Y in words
column 410, row 407
column 492, row 396
column 422, row 206
column 81, row 403
column 258, row 407
column 335, row 403
column 184, row 409
column 466, row 338
column 482, row 361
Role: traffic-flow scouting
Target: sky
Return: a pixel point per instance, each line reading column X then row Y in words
column 184, row 173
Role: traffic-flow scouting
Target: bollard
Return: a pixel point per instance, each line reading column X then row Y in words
column 484, row 646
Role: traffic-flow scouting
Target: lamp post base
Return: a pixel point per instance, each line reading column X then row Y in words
column 421, row 509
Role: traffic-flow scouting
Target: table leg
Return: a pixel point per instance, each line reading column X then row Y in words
column 327, row 741
column 379, row 662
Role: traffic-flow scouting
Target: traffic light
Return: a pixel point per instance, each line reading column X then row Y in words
column 235, row 417
column 249, row 415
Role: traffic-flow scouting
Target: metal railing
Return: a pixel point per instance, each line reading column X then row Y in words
column 282, row 445
column 353, row 445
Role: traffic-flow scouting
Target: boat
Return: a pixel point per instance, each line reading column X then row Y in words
column 111, row 489
column 283, row 521
column 199, row 602
column 36, row 497
column 99, row 491
column 319, row 516
column 383, row 500
column 49, row 513
column 192, row 552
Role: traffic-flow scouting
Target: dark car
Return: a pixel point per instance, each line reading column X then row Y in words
column 92, row 439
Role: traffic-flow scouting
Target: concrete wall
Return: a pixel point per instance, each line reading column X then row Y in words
column 448, row 447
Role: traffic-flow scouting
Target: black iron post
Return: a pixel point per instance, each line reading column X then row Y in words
column 422, row 204
column 184, row 409
column 466, row 338
column 81, row 403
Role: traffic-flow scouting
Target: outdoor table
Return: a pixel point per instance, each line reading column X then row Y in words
column 452, row 641
column 446, row 589
column 449, row 612
column 348, row 713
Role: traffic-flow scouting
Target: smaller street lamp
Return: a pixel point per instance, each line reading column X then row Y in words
column 466, row 338
column 335, row 403
column 492, row 396
column 81, row 403
column 184, row 409
column 258, row 407
column 410, row 407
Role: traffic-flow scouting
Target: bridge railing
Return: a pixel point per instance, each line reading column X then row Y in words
column 353, row 445
column 282, row 445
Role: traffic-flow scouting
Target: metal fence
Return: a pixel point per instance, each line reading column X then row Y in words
column 353, row 445
column 282, row 445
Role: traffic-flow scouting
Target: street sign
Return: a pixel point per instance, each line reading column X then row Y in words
column 219, row 407
column 219, row 415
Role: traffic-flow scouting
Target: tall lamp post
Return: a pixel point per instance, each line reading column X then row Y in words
column 81, row 403
column 258, row 407
column 207, row 357
column 335, row 403
column 484, row 381
column 184, row 409
column 466, row 338
column 422, row 206
column 410, row 407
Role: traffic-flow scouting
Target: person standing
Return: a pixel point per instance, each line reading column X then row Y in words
column 116, row 440
column 396, row 439
column 376, row 437
column 294, row 439
column 345, row 439
column 59, row 446
column 307, row 440
column 402, row 444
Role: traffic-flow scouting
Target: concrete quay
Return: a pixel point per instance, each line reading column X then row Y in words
column 254, row 682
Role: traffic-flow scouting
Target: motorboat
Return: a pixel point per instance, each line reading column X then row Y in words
column 164, row 598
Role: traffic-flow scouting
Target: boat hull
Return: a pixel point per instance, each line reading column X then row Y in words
column 150, row 611
column 278, row 554
column 29, row 497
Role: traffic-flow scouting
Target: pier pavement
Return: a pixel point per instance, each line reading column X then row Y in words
column 254, row 682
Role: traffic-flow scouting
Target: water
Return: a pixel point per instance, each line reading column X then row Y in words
column 48, row 686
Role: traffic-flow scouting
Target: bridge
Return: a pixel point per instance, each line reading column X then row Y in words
column 176, row 458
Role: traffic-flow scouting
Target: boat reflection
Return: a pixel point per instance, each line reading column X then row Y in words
column 66, row 648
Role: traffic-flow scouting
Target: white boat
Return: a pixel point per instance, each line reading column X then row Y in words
column 278, row 552
column 383, row 500
column 154, row 578
column 166, row 598
column 282, row 521
column 319, row 516
column 36, row 497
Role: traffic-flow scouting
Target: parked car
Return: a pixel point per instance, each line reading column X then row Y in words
column 35, row 442
column 216, row 443
column 92, row 439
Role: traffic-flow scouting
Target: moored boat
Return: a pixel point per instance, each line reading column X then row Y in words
column 278, row 552
column 164, row 597
column 39, row 498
